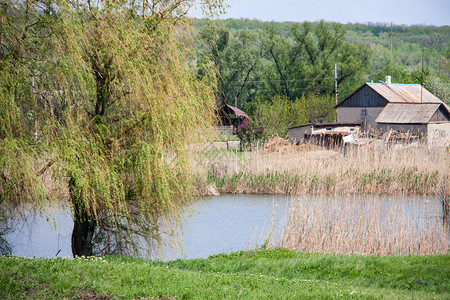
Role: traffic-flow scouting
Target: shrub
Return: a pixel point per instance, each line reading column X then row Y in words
column 248, row 133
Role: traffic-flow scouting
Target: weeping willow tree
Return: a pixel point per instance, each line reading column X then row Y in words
column 106, row 99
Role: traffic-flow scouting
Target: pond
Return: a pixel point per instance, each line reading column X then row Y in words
column 211, row 225
column 230, row 223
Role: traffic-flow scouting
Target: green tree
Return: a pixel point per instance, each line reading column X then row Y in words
column 236, row 57
column 439, row 85
column 104, row 98
column 302, row 62
column 279, row 113
column 283, row 62
column 325, row 45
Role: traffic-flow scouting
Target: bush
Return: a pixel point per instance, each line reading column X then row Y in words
column 248, row 133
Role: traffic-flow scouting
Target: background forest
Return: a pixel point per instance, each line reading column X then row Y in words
column 282, row 74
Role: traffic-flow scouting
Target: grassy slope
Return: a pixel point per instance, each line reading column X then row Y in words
column 262, row 274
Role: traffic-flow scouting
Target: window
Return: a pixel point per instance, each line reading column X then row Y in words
column 352, row 129
column 328, row 128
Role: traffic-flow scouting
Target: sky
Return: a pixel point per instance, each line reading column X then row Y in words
column 408, row 12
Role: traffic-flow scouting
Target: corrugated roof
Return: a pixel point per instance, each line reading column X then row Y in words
column 405, row 93
column 408, row 113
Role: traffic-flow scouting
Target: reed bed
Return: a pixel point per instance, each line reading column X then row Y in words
column 369, row 226
column 326, row 212
column 282, row 168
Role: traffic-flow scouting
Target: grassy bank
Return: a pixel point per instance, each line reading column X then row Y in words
column 269, row 274
column 282, row 168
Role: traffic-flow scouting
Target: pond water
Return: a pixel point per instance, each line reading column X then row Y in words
column 229, row 223
column 211, row 225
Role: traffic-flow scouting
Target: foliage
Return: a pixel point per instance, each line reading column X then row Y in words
column 275, row 274
column 325, row 45
column 439, row 86
column 106, row 98
column 407, row 41
column 279, row 114
column 282, row 69
column 248, row 133
column 265, row 63
column 298, row 58
column 303, row 61
column 235, row 56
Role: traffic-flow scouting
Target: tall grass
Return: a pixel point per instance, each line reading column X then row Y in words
column 300, row 170
column 368, row 225
column 330, row 219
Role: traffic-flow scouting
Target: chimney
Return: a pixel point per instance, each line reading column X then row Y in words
column 387, row 80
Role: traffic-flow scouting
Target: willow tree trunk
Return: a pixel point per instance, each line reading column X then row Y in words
column 83, row 232
column 84, row 225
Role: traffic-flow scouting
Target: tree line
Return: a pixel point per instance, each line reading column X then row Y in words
column 260, row 63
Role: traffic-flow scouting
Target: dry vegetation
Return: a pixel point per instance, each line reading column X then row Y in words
column 371, row 226
column 282, row 168
column 346, row 222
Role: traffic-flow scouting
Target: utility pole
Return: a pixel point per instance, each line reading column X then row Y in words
column 391, row 38
column 421, row 82
column 335, row 83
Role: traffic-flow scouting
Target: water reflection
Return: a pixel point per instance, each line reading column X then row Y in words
column 230, row 223
column 210, row 226
column 42, row 235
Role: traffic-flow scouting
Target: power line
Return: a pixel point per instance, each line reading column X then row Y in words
column 281, row 81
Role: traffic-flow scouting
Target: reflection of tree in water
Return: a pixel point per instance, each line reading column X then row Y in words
column 136, row 236
column 5, row 228
column 5, row 247
column 125, row 238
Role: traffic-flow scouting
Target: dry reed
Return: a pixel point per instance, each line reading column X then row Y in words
column 304, row 170
column 341, row 223
column 370, row 226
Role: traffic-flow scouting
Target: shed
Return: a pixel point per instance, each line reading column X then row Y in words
column 305, row 132
column 368, row 101
column 230, row 117
column 412, row 117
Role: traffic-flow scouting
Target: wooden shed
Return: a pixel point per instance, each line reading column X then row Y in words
column 367, row 102
column 324, row 134
column 429, row 120
column 230, row 118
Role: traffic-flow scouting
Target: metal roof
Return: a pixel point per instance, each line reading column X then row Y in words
column 408, row 113
column 398, row 92
column 318, row 125
column 231, row 109
column 336, row 124
column 405, row 93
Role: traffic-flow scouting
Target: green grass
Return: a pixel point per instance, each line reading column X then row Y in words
column 263, row 274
